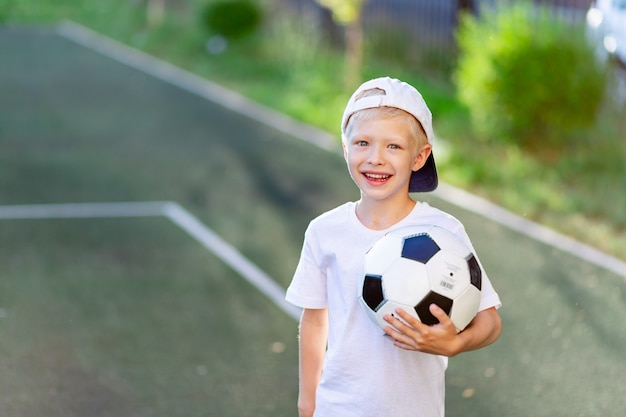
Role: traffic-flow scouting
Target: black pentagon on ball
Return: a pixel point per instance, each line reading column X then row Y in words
column 422, row 308
column 476, row 274
column 419, row 248
column 373, row 291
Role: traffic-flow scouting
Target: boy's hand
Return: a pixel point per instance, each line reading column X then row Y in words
column 439, row 339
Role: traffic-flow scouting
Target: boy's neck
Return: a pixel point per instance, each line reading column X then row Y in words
column 378, row 215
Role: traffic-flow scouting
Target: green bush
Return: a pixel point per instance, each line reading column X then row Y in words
column 527, row 77
column 232, row 19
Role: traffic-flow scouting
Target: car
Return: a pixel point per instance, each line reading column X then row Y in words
column 606, row 27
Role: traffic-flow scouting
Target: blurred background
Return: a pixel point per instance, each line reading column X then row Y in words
column 117, row 317
column 528, row 97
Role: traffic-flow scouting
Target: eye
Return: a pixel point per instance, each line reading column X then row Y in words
column 361, row 143
column 394, row 146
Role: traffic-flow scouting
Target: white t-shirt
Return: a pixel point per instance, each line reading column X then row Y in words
column 364, row 375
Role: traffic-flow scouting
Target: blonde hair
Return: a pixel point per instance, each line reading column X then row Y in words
column 378, row 113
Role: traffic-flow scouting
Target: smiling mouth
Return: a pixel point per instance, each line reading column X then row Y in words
column 376, row 177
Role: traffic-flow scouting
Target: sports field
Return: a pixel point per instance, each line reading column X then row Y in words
column 145, row 231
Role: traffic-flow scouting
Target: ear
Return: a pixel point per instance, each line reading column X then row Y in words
column 421, row 157
column 345, row 149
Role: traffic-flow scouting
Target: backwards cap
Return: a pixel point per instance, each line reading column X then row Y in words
column 405, row 97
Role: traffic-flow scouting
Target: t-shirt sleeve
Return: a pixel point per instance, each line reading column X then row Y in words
column 488, row 295
column 308, row 286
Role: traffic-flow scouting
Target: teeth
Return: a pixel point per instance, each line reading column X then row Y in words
column 377, row 176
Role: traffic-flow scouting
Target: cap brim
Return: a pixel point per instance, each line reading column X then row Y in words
column 425, row 179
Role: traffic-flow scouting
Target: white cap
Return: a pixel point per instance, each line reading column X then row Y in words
column 405, row 97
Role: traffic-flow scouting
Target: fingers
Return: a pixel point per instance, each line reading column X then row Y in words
column 440, row 315
column 403, row 321
column 404, row 329
column 408, row 332
column 415, row 322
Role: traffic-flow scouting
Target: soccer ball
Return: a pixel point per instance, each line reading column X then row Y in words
column 415, row 266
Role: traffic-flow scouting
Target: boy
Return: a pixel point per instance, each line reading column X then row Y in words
column 346, row 367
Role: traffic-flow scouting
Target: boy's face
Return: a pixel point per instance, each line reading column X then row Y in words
column 381, row 155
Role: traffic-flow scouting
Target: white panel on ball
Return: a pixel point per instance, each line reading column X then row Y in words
column 384, row 253
column 406, row 282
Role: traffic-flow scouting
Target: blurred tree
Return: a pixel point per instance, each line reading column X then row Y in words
column 347, row 13
column 528, row 78
column 232, row 19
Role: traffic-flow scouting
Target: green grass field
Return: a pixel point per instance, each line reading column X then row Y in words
column 132, row 317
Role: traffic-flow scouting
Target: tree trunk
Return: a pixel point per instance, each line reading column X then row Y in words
column 354, row 53
column 155, row 13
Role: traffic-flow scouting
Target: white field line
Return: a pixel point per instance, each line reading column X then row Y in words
column 175, row 213
column 230, row 256
column 227, row 98
column 81, row 210
column 194, row 84
column 529, row 228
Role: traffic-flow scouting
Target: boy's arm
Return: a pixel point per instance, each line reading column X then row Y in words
column 442, row 338
column 482, row 331
column 313, row 338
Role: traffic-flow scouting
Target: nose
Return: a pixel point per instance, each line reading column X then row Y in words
column 375, row 155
